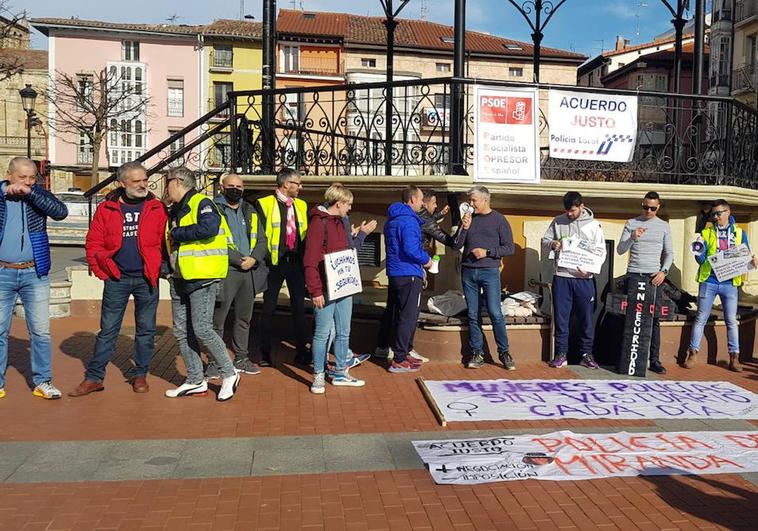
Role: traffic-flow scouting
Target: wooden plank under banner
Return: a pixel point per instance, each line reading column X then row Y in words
column 638, row 325
column 430, row 400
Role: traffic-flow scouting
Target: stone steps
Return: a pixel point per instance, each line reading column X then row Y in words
column 60, row 301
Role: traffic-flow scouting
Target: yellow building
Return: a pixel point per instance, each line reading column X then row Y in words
column 232, row 61
column 745, row 73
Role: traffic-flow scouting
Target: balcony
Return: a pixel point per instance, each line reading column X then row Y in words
column 723, row 14
column 745, row 9
column 719, row 80
column 314, row 66
column 746, row 78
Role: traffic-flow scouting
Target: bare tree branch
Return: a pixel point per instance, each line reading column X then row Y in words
column 90, row 102
column 10, row 65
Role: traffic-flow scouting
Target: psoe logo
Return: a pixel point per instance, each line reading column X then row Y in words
column 610, row 139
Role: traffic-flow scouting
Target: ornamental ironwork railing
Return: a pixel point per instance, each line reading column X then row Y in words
column 340, row 130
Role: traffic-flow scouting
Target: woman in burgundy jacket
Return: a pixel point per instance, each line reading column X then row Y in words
column 329, row 232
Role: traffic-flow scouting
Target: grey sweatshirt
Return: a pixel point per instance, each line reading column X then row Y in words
column 653, row 251
column 585, row 227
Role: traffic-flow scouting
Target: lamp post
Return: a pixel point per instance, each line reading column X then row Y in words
column 538, row 8
column 679, row 22
column 28, row 97
column 390, row 12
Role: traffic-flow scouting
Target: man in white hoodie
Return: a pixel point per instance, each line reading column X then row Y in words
column 573, row 290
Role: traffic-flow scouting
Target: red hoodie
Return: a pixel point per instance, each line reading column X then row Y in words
column 315, row 246
column 106, row 232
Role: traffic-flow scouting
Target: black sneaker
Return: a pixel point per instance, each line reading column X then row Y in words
column 507, row 360
column 266, row 361
column 476, row 361
column 657, row 368
column 246, row 366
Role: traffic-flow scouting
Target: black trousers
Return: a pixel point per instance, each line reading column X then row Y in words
column 404, row 299
column 292, row 272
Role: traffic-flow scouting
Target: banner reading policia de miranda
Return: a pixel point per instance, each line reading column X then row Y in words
column 592, row 126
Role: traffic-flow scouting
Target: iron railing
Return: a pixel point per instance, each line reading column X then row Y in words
column 745, row 9
column 339, row 130
column 746, row 77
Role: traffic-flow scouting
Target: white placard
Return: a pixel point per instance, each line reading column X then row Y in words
column 564, row 455
column 506, row 135
column 477, row 400
column 731, row 263
column 581, row 254
column 343, row 274
column 592, row 126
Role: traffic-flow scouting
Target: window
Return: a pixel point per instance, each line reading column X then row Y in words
column 513, row 47
column 138, row 133
column 222, row 151
column 84, row 152
column 294, row 108
column 222, row 56
column 130, row 51
column 290, row 59
column 138, row 81
column 176, row 97
column 516, row 71
column 442, row 67
column 85, row 87
column 368, row 63
column 175, row 146
column 219, row 93
column 751, row 43
column 448, row 40
column 442, row 101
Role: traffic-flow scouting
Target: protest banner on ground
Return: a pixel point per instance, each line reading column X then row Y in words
column 732, row 262
column 506, row 145
column 343, row 274
column 581, row 254
column 478, row 400
column 592, row 126
column 564, row 455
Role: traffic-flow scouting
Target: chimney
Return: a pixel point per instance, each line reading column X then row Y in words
column 621, row 43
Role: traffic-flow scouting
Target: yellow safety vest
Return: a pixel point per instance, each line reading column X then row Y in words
column 204, row 259
column 270, row 208
column 711, row 238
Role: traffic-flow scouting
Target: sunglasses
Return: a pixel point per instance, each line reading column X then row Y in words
column 649, row 208
column 717, row 213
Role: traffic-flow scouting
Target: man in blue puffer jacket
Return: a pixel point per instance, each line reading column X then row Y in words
column 24, row 265
column 406, row 261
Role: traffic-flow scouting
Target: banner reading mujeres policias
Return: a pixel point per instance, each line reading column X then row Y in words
column 592, row 126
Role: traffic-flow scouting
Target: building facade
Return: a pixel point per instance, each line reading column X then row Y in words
column 745, row 62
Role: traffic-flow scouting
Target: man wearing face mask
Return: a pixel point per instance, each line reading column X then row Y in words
column 247, row 272
column 125, row 249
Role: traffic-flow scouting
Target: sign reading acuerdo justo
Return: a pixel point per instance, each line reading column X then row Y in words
column 592, row 126
column 506, row 142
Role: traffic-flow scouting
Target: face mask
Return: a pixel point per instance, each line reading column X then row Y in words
column 233, row 195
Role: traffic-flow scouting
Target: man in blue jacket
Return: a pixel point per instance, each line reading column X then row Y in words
column 24, row 265
column 406, row 261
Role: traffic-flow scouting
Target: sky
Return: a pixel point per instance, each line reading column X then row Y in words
column 583, row 26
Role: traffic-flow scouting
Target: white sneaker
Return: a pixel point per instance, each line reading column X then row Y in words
column 228, row 387
column 187, row 389
column 318, row 387
column 384, row 353
column 47, row 391
column 416, row 355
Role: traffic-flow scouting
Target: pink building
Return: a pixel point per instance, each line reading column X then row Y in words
column 160, row 61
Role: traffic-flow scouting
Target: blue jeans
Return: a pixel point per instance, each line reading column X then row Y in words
column 476, row 280
column 728, row 294
column 35, row 296
column 335, row 314
column 193, row 329
column 115, row 298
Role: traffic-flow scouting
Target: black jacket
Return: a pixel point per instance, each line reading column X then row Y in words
column 431, row 230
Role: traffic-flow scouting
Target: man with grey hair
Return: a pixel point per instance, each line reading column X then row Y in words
column 486, row 238
column 199, row 238
column 125, row 249
column 24, row 265
column 247, row 271
column 285, row 218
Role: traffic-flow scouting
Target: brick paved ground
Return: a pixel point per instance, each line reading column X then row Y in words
column 277, row 403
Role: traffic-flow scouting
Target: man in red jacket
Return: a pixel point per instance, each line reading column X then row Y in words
column 125, row 249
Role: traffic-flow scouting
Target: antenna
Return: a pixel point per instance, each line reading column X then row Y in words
column 173, row 18
column 242, row 9
column 640, row 5
column 424, row 10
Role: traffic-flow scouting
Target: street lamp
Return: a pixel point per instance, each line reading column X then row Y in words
column 28, row 97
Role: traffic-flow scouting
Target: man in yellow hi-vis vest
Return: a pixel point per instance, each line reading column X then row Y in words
column 285, row 218
column 247, row 275
column 721, row 235
column 198, row 238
